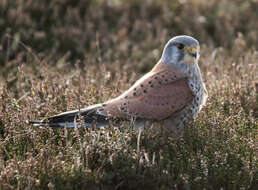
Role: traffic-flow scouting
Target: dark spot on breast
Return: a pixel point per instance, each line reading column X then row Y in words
column 149, row 82
column 144, row 91
column 163, row 76
column 134, row 93
column 124, row 104
column 104, row 105
column 151, row 86
column 126, row 97
column 197, row 98
column 134, row 89
column 156, row 78
column 175, row 76
column 122, row 108
column 141, row 85
column 166, row 80
column 191, row 85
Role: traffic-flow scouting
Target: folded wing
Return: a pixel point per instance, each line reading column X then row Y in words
column 155, row 96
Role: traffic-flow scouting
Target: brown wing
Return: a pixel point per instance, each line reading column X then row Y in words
column 157, row 96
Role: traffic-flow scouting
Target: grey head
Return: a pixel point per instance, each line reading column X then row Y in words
column 181, row 50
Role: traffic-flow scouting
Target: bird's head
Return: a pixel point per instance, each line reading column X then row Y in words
column 181, row 50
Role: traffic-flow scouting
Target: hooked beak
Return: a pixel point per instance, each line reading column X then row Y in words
column 192, row 51
column 194, row 55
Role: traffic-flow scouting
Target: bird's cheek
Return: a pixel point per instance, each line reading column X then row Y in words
column 189, row 60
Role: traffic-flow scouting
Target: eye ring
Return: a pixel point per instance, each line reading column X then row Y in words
column 180, row 46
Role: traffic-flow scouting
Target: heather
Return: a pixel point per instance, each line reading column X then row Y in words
column 62, row 55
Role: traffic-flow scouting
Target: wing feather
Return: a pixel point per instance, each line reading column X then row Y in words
column 156, row 96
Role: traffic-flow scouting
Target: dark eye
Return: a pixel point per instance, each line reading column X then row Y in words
column 180, row 46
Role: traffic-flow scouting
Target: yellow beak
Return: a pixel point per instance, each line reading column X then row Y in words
column 192, row 51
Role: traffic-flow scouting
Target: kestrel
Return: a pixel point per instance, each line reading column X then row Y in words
column 172, row 94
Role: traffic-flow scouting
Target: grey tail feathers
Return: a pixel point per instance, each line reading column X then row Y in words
column 87, row 117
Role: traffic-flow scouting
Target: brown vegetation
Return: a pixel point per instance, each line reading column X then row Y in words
column 62, row 55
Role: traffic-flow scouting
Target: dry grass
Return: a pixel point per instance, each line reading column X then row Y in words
column 219, row 151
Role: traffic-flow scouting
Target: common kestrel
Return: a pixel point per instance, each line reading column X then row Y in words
column 172, row 94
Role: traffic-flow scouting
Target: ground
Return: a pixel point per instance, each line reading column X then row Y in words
column 62, row 55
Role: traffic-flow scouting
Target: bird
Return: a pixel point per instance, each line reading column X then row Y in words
column 172, row 94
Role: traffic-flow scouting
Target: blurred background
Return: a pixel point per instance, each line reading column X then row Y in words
column 59, row 55
column 117, row 29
